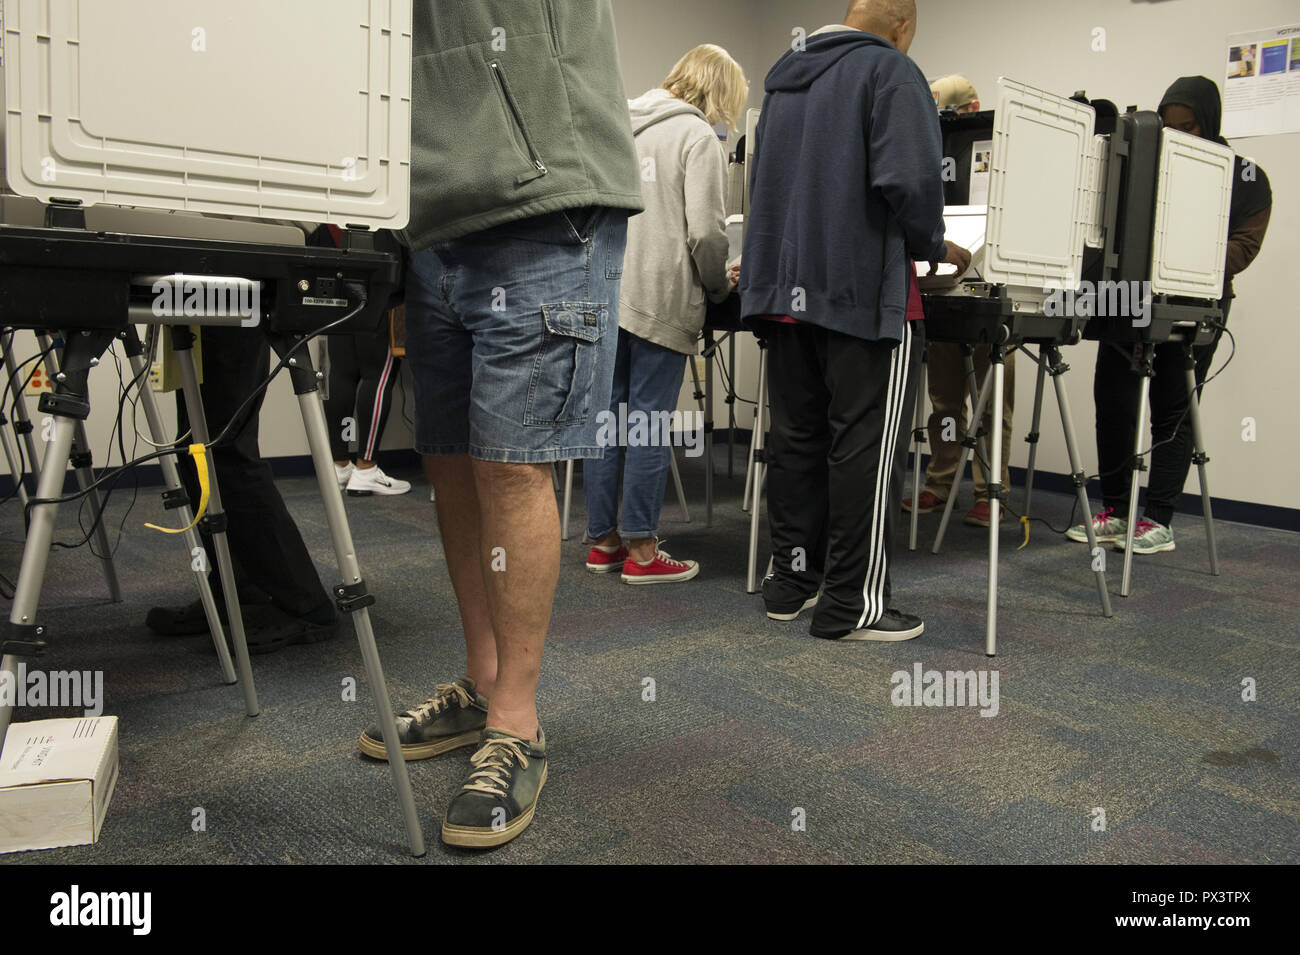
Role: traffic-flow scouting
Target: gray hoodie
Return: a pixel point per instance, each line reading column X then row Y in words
column 677, row 248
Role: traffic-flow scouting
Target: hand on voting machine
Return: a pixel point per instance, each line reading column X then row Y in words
column 963, row 226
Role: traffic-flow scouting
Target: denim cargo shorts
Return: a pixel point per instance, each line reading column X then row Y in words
column 511, row 335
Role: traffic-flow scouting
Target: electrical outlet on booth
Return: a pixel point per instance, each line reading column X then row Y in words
column 40, row 382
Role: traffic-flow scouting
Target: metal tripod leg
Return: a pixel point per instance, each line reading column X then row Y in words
column 67, row 405
column 183, row 345
column 175, row 498
column 22, row 420
column 83, row 467
column 1139, row 465
column 708, row 428
column 351, row 595
column 568, row 497
column 1032, row 437
column 968, row 448
column 918, row 442
column 1052, row 360
column 997, row 366
column 759, row 470
column 1200, row 457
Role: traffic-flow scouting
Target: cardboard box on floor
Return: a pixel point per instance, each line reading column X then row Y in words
column 56, row 780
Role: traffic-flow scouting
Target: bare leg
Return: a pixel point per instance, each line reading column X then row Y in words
column 642, row 550
column 520, row 566
column 452, row 477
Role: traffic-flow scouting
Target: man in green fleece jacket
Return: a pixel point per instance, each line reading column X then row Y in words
column 523, row 174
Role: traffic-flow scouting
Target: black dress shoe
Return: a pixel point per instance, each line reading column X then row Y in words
column 186, row 621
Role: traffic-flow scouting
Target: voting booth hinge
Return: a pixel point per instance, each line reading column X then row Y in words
column 995, row 490
column 302, row 373
column 65, row 214
column 358, row 237
column 352, row 597
column 64, row 405
column 23, row 640
column 182, row 337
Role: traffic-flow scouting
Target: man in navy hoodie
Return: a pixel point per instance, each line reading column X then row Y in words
column 845, row 191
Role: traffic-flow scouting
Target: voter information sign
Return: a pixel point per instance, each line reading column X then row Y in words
column 1261, row 87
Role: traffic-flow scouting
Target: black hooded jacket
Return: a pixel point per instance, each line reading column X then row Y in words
column 1252, row 197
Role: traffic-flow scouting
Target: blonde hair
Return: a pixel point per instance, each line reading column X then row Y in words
column 711, row 81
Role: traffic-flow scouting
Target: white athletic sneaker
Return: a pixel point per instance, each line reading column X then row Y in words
column 344, row 474
column 366, row 481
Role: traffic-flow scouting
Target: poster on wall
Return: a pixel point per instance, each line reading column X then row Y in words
column 1261, row 88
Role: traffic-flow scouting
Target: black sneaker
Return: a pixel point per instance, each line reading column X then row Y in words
column 267, row 629
column 786, row 599
column 190, row 620
column 499, row 796
column 454, row 716
column 790, row 611
column 891, row 627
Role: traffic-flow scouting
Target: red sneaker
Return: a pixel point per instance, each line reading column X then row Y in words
column 927, row 504
column 978, row 516
column 603, row 560
column 661, row 570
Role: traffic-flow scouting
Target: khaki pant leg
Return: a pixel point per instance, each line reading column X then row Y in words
column 947, row 387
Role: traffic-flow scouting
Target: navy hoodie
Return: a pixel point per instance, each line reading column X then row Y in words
column 845, row 187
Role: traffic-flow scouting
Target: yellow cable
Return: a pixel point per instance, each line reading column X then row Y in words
column 1024, row 520
column 199, row 453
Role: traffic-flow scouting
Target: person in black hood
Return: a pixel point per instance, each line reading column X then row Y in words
column 1191, row 105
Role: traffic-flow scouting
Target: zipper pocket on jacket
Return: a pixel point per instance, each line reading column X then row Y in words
column 549, row 7
column 540, row 167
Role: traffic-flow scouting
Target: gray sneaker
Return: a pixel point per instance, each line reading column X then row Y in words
column 1105, row 525
column 499, row 796
column 454, row 716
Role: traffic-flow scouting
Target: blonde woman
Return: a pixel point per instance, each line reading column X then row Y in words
column 676, row 260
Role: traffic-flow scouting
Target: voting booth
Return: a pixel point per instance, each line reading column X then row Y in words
column 1164, row 223
column 1097, row 225
column 170, row 113
column 1029, row 160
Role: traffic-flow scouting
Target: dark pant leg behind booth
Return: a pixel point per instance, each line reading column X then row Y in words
column 268, row 552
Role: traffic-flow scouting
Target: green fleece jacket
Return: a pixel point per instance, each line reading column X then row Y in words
column 517, row 109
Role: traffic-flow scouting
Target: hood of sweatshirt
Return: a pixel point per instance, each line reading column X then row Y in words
column 798, row 69
column 654, row 106
column 1250, row 194
column 1201, row 96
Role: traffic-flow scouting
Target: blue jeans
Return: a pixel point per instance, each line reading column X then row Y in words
column 510, row 337
column 647, row 378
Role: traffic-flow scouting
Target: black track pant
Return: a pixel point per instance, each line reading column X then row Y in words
column 363, row 371
column 269, row 556
column 839, row 405
column 1116, row 389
